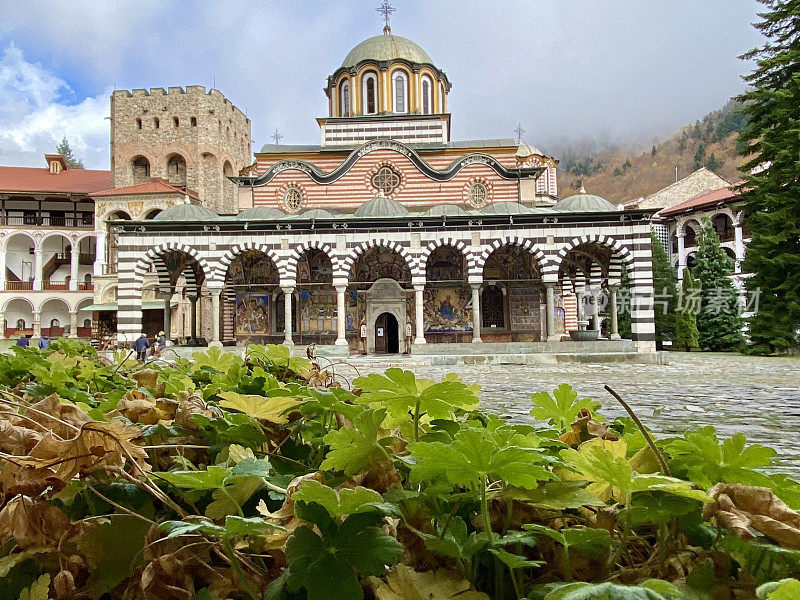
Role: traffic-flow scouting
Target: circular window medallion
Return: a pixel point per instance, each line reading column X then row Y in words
column 293, row 199
column 386, row 180
column 477, row 194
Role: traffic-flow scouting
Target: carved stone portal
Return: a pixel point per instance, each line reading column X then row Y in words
column 385, row 296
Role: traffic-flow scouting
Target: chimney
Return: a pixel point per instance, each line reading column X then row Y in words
column 56, row 163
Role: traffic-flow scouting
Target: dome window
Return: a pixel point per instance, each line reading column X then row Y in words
column 293, row 199
column 344, row 110
column 477, row 194
column 369, row 94
column 400, row 92
column 386, row 180
column 427, row 97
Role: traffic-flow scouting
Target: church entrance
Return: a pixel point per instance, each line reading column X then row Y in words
column 387, row 334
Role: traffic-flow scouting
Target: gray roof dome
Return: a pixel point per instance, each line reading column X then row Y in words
column 450, row 210
column 315, row 213
column 583, row 202
column 386, row 47
column 186, row 212
column 261, row 213
column 381, row 206
column 506, row 208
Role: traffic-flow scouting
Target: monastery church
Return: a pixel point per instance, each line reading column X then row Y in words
column 387, row 237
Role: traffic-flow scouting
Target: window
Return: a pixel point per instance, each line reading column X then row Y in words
column 20, row 324
column 87, row 278
column 138, row 123
column 477, row 194
column 194, row 121
column 369, row 94
column 87, row 323
column 156, row 123
column 493, row 307
column 175, row 121
column 400, row 92
column 55, row 323
column 293, row 199
column 427, row 99
column 344, row 110
column 386, row 180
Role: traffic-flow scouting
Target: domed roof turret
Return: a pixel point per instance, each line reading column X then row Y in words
column 186, row 212
column 381, row 206
column 315, row 213
column 583, row 202
column 260, row 213
column 506, row 208
column 450, row 210
column 386, row 47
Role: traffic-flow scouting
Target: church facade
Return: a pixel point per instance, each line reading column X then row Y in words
column 385, row 236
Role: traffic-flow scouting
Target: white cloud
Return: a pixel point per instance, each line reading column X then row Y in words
column 34, row 117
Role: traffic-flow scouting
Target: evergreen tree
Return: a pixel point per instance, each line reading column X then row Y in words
column 624, row 314
column 666, row 291
column 713, row 162
column 682, row 142
column 719, row 322
column 686, row 335
column 699, row 157
column 73, row 162
column 653, row 152
column 772, row 212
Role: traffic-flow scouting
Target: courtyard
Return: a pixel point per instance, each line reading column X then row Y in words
column 754, row 395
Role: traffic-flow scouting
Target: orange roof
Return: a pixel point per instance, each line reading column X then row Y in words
column 154, row 186
column 713, row 198
column 36, row 180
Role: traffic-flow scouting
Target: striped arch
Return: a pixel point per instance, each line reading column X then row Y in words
column 152, row 256
column 692, row 219
column 603, row 240
column 297, row 253
column 596, row 275
column 542, row 260
column 227, row 258
column 615, row 270
column 356, row 252
column 459, row 245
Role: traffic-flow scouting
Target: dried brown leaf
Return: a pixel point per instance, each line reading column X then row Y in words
column 586, row 428
column 31, row 523
column 51, row 414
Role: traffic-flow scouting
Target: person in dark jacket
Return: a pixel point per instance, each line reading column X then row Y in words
column 44, row 342
column 141, row 345
column 23, row 341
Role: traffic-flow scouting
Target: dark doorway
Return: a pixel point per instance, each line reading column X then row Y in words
column 387, row 337
column 152, row 321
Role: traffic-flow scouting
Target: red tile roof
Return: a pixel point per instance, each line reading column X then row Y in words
column 36, row 180
column 154, row 186
column 714, row 197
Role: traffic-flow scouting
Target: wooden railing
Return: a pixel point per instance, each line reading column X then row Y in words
column 79, row 222
column 17, row 286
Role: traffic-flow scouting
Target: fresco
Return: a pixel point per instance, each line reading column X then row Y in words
column 251, row 269
column 317, row 311
column 560, row 314
column 447, row 309
column 252, row 314
column 509, row 264
column 380, row 262
column 445, row 264
column 314, row 267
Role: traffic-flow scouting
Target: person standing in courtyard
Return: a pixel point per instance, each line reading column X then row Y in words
column 23, row 341
column 161, row 343
column 44, row 342
column 408, row 338
column 140, row 346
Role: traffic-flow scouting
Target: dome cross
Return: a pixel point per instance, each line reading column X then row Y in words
column 387, row 10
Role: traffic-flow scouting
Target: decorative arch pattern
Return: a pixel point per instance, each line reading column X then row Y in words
column 459, row 245
column 538, row 253
column 356, row 252
column 297, row 253
column 603, row 240
column 151, row 256
column 227, row 258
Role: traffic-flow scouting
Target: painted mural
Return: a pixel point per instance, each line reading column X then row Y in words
column 252, row 314
column 447, row 309
column 252, row 269
column 511, row 263
column 317, row 311
column 314, row 267
column 380, row 262
column 445, row 264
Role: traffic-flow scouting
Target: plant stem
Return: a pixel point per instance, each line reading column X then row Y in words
column 416, row 420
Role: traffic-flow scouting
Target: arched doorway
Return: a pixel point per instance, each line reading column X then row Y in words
column 387, row 334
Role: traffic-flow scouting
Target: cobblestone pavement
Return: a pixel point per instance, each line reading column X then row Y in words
column 758, row 396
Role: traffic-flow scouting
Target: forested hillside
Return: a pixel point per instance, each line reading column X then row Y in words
column 622, row 174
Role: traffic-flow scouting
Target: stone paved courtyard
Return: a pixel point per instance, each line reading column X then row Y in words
column 758, row 396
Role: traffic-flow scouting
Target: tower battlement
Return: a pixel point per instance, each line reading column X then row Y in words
column 193, row 91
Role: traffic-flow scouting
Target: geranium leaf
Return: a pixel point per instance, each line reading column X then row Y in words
column 345, row 502
column 562, row 408
column 208, row 479
column 268, row 409
column 355, row 450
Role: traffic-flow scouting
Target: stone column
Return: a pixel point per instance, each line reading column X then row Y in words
column 193, row 339
column 2, row 268
column 3, row 325
column 73, row 324
column 613, row 329
column 419, row 314
column 215, row 316
column 37, row 268
column 341, row 314
column 100, row 253
column 552, row 336
column 37, row 324
column 738, row 246
column 73, row 267
column 476, row 313
column 681, row 254
column 167, row 314
column 287, row 315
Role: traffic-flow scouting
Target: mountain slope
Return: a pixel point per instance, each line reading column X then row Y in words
column 620, row 176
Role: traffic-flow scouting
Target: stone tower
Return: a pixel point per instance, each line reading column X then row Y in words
column 191, row 138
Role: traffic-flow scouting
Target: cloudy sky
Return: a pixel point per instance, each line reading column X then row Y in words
column 610, row 70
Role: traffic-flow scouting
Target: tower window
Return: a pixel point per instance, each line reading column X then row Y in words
column 386, row 180
column 138, row 123
column 477, row 194
column 194, row 121
column 426, row 96
column 156, row 123
column 293, row 199
column 345, row 102
column 400, row 92
column 175, row 121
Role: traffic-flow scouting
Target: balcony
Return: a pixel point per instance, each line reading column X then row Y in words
column 18, row 286
column 80, row 221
